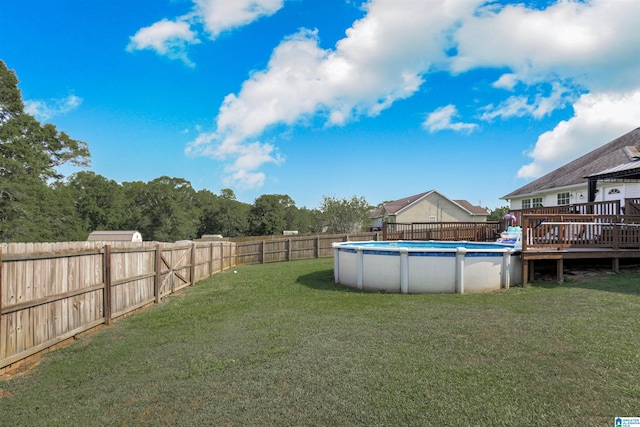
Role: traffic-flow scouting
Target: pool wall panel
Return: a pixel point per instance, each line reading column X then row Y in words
column 482, row 273
column 381, row 272
column 432, row 274
column 348, row 268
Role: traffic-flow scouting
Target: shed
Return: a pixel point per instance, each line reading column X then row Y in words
column 115, row 236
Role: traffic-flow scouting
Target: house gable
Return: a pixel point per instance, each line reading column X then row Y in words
column 572, row 178
column 430, row 206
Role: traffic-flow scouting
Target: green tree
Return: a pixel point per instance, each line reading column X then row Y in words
column 100, row 202
column 222, row 214
column 30, row 155
column 345, row 215
column 269, row 214
column 307, row 221
column 497, row 213
column 167, row 209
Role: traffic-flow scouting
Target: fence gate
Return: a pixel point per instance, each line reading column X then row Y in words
column 175, row 269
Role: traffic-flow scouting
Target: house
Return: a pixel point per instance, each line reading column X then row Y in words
column 610, row 172
column 430, row 206
column 115, row 236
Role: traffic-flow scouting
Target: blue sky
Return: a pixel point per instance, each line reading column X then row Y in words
column 379, row 99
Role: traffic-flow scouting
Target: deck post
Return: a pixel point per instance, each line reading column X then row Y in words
column 616, row 265
column 616, row 234
column 559, row 271
column 532, row 266
column 525, row 271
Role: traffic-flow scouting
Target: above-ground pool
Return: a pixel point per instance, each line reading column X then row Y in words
column 427, row 267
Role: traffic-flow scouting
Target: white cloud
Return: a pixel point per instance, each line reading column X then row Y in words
column 506, row 81
column 520, row 106
column 441, row 119
column 374, row 66
column 46, row 110
column 224, row 15
column 576, row 40
column 248, row 159
column 549, row 58
column 587, row 51
column 598, row 119
column 171, row 38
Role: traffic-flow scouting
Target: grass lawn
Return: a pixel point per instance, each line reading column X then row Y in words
column 280, row 344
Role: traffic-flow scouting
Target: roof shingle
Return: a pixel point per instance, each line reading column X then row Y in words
column 610, row 155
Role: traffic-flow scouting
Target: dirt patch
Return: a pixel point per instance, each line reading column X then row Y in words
column 578, row 271
column 20, row 368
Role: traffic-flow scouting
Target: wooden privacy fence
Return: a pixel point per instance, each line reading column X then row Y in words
column 294, row 248
column 50, row 292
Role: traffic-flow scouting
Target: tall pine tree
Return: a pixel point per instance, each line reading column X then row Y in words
column 30, row 154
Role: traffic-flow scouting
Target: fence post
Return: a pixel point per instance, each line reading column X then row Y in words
column 317, row 246
column 262, row 252
column 288, row 249
column 158, row 281
column 106, row 274
column 222, row 256
column 192, row 267
column 1, row 334
column 210, row 259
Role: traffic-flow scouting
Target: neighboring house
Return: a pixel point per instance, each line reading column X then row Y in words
column 611, row 172
column 430, row 206
column 115, row 236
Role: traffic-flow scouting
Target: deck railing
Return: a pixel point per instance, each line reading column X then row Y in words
column 580, row 231
column 594, row 208
column 448, row 231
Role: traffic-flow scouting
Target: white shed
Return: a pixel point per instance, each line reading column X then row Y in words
column 115, row 236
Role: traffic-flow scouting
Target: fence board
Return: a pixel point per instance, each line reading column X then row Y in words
column 50, row 292
column 277, row 249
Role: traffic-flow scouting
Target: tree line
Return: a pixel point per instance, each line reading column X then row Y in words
column 38, row 204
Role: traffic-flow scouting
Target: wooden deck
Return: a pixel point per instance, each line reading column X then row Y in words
column 581, row 236
column 530, row 257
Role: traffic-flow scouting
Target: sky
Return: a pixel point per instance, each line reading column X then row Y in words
column 380, row 99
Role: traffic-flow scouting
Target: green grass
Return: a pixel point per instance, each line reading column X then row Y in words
column 280, row 344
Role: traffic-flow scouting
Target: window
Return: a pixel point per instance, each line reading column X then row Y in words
column 614, row 191
column 537, row 202
column 526, row 203
column 563, row 198
column 432, row 218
